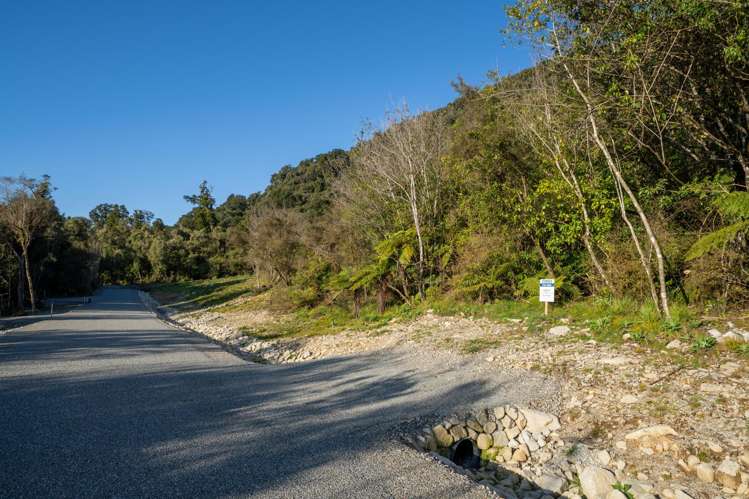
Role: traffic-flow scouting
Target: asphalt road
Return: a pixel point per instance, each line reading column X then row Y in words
column 107, row 401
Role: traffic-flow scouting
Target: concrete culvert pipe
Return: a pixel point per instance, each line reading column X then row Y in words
column 465, row 454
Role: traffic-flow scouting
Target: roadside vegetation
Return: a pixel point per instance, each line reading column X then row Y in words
column 618, row 166
column 603, row 319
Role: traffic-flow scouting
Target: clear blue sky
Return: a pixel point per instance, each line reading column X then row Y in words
column 135, row 102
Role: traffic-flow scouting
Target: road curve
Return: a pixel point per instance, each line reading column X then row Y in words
column 108, row 401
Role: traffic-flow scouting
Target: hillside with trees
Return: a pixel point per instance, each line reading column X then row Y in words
column 618, row 165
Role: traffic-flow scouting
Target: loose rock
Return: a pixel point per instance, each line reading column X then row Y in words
column 728, row 474
column 596, row 482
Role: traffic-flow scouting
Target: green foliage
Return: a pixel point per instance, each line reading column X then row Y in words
column 733, row 206
column 703, row 342
column 624, row 488
column 505, row 185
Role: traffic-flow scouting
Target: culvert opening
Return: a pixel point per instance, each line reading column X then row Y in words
column 516, row 452
column 465, row 454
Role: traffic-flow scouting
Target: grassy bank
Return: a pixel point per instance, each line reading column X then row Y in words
column 606, row 319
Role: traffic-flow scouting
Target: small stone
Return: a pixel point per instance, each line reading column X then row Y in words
column 704, row 472
column 714, row 333
column 484, row 441
column 482, row 417
column 521, row 421
column 596, row 482
column 628, row 399
column 500, row 439
column 458, row 432
column 499, row 412
column 521, row 454
column 474, row 425
column 507, row 422
column 490, row 427
column 538, row 422
column 443, row 437
column 551, row 483
column 714, row 447
column 728, row 474
column 559, row 331
column 506, row 454
column 674, row 345
column 692, row 460
column 684, row 466
column 603, row 457
column 512, row 432
column 472, row 434
column 512, row 412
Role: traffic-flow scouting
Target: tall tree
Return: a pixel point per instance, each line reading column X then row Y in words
column 25, row 211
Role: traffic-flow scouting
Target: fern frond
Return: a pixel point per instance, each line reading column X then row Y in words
column 734, row 205
column 716, row 239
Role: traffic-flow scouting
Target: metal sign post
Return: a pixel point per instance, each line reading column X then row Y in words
column 546, row 293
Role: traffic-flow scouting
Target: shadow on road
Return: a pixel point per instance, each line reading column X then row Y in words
column 151, row 413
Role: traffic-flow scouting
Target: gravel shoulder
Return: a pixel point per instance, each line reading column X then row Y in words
column 606, row 392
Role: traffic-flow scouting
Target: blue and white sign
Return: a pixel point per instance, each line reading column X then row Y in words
column 546, row 291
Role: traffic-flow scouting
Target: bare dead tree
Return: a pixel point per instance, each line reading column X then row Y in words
column 399, row 166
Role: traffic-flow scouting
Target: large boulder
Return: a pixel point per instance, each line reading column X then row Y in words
column 596, row 482
column 657, row 438
column 537, row 421
column 660, row 430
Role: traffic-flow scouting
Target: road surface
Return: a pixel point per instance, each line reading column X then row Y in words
column 108, row 401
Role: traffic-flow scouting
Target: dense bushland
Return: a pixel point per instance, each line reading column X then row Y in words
column 619, row 165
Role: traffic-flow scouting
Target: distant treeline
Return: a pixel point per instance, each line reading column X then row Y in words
column 617, row 165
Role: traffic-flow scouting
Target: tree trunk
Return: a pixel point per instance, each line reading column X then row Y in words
column 587, row 238
column 544, row 258
column 417, row 226
column 648, row 230
column 21, row 285
column 381, row 297
column 636, row 240
column 614, row 168
column 357, row 302
column 30, row 281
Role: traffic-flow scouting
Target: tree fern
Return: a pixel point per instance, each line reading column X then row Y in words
column 734, row 207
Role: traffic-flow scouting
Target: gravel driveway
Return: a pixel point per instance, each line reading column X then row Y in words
column 107, row 401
